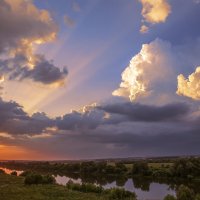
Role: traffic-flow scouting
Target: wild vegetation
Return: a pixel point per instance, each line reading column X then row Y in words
column 182, row 175
column 19, row 190
column 183, row 193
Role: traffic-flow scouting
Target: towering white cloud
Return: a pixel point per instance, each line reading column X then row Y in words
column 190, row 87
column 151, row 66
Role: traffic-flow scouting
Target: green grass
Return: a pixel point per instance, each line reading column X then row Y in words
column 159, row 165
column 13, row 188
column 151, row 165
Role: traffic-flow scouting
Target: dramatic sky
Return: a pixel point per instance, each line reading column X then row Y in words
column 98, row 78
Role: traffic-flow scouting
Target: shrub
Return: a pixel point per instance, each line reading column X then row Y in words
column 120, row 194
column 169, row 197
column 184, row 193
column 197, row 197
column 141, row 168
column 25, row 173
column 14, row 173
column 48, row 179
column 114, row 193
column 91, row 188
column 34, row 178
column 85, row 187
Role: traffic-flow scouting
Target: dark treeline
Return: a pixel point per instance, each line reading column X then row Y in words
column 188, row 168
column 172, row 172
column 93, row 172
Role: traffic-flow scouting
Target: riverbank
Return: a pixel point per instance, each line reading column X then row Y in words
column 12, row 187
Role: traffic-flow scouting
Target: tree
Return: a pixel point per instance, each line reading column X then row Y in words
column 141, row 168
column 35, row 178
column 184, row 193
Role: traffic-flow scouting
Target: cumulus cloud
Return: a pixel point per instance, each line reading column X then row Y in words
column 23, row 27
column 190, row 87
column 155, row 11
column 1, row 79
column 144, row 29
column 150, row 67
column 89, row 117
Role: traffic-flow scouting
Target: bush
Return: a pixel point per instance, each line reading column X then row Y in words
column 38, row 179
column 48, row 179
column 141, row 168
column 25, row 173
column 114, row 193
column 169, row 197
column 197, row 197
column 184, row 193
column 14, row 173
column 85, row 187
column 33, row 179
column 91, row 188
column 120, row 194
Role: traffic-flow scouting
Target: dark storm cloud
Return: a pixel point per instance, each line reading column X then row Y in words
column 80, row 121
column 14, row 120
column 44, row 71
column 94, row 133
column 23, row 26
column 148, row 113
column 130, row 139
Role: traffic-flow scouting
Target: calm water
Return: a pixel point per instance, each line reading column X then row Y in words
column 8, row 171
column 155, row 191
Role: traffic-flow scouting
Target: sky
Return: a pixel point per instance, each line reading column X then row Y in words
column 84, row 79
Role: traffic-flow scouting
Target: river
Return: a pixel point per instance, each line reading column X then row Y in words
column 154, row 191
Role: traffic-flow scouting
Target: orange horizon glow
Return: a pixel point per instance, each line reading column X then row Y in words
column 11, row 152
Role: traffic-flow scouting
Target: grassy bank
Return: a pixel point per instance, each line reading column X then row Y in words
column 12, row 187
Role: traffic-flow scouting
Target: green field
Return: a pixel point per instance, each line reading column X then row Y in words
column 13, row 188
column 151, row 165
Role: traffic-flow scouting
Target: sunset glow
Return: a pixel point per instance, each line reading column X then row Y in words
column 99, row 79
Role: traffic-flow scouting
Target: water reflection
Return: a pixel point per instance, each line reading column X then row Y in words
column 62, row 180
column 145, row 189
column 9, row 171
